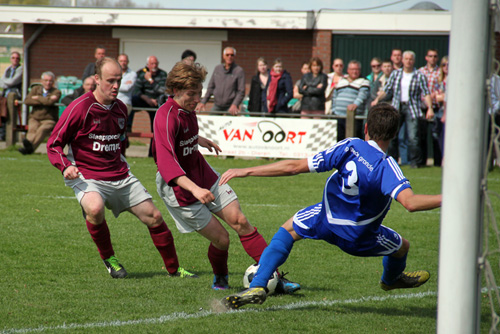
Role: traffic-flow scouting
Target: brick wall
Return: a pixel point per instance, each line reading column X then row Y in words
column 66, row 49
column 292, row 46
column 141, row 123
column 322, row 47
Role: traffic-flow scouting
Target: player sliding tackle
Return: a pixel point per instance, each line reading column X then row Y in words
column 355, row 201
column 189, row 186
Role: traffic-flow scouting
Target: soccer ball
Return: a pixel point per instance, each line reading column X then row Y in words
column 250, row 273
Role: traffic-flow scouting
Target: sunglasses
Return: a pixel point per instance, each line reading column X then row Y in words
column 230, row 54
column 376, row 65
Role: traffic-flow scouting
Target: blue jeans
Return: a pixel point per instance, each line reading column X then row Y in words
column 407, row 144
column 413, row 134
column 403, row 144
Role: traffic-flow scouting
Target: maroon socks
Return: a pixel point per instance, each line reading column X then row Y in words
column 254, row 244
column 164, row 242
column 102, row 239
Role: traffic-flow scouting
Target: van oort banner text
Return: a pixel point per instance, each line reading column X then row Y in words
column 268, row 137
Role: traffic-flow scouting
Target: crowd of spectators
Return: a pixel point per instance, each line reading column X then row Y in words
column 417, row 94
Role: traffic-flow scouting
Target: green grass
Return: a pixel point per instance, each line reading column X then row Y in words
column 52, row 279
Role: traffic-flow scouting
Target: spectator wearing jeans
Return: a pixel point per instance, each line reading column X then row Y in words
column 407, row 85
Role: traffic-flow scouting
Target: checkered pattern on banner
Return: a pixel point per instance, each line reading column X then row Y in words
column 207, row 129
column 323, row 136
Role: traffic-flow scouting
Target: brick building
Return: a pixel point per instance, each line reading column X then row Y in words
column 62, row 39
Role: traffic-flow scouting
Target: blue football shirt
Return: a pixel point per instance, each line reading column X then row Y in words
column 358, row 195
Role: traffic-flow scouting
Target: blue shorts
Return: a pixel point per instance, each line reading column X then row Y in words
column 311, row 223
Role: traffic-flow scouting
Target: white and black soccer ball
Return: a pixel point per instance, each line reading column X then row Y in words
column 250, row 273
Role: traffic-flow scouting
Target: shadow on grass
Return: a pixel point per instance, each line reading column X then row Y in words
column 407, row 311
column 294, row 303
column 294, row 297
column 150, row 274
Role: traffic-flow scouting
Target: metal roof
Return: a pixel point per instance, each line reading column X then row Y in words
column 341, row 21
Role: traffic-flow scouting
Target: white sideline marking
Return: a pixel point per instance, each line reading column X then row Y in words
column 183, row 315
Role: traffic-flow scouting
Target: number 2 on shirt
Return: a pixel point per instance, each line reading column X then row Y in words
column 349, row 186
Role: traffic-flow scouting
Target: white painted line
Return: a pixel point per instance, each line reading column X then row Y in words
column 183, row 315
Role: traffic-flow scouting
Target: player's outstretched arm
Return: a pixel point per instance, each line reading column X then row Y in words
column 416, row 202
column 280, row 168
column 209, row 145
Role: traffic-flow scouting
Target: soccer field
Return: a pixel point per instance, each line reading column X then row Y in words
column 52, row 279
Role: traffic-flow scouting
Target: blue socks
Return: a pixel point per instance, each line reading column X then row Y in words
column 273, row 256
column 393, row 267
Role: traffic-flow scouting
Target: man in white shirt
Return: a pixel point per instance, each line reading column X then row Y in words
column 407, row 86
column 128, row 81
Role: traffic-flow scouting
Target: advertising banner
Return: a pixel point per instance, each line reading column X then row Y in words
column 268, row 137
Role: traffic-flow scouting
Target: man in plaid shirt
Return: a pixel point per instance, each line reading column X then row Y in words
column 407, row 85
column 432, row 72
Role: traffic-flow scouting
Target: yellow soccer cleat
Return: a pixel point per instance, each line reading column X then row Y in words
column 249, row 296
column 407, row 280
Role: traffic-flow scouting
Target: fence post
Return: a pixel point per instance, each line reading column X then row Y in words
column 350, row 123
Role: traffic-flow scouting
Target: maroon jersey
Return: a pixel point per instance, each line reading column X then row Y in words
column 93, row 133
column 175, row 150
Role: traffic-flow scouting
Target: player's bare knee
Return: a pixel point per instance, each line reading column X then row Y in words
column 153, row 219
column 157, row 217
column 242, row 226
column 222, row 242
column 94, row 212
column 405, row 247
